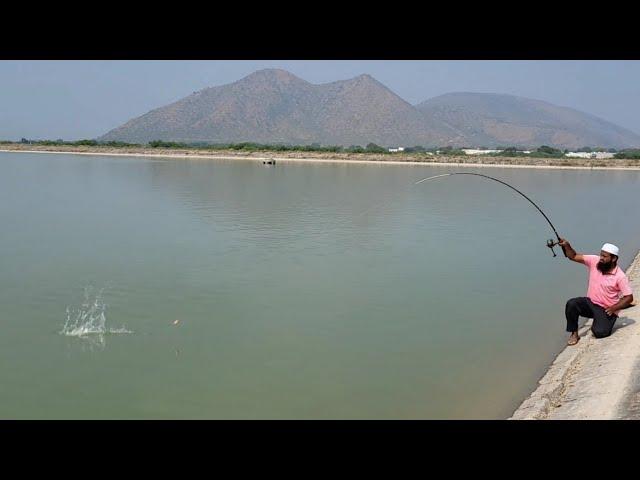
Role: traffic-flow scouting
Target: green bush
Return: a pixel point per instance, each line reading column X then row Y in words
column 450, row 151
column 415, row 149
column 373, row 148
column 546, row 150
column 162, row 144
column 630, row 154
column 120, row 144
column 355, row 149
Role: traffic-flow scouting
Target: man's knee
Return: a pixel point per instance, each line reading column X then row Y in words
column 601, row 332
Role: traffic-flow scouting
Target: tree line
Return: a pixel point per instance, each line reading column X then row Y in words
column 543, row 151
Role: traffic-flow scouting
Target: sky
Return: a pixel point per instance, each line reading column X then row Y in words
column 80, row 99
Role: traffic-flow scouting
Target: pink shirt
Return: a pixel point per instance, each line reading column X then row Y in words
column 605, row 289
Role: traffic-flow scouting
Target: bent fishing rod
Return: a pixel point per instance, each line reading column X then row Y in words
column 550, row 242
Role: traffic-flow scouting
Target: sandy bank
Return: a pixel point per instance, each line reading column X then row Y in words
column 596, row 379
column 371, row 159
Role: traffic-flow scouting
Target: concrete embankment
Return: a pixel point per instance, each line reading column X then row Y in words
column 596, row 379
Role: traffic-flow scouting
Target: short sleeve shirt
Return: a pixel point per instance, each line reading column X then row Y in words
column 605, row 289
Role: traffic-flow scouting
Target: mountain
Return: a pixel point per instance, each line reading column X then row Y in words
column 490, row 120
column 274, row 106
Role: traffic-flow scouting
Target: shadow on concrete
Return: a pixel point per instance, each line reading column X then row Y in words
column 622, row 322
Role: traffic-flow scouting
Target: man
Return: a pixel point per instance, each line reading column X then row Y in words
column 608, row 292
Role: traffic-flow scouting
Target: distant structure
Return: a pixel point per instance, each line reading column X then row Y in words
column 590, row 154
column 472, row 151
column 475, row 151
column 398, row 149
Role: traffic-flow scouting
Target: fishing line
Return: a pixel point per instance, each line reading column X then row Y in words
column 372, row 208
column 550, row 242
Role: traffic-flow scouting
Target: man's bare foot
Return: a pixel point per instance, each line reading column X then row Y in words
column 573, row 338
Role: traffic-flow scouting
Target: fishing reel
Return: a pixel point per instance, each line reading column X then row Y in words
column 551, row 244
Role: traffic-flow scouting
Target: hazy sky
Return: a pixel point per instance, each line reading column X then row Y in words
column 84, row 99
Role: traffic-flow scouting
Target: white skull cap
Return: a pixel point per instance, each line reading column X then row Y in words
column 610, row 248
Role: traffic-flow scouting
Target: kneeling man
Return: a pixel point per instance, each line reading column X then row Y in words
column 607, row 294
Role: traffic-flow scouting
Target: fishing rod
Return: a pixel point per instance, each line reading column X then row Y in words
column 550, row 243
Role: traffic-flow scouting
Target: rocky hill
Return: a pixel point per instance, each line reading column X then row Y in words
column 491, row 120
column 274, row 106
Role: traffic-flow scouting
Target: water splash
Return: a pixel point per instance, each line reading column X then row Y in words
column 89, row 321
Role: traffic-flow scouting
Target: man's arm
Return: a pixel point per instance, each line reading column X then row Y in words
column 571, row 253
column 624, row 302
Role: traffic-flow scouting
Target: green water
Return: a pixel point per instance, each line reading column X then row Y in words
column 302, row 290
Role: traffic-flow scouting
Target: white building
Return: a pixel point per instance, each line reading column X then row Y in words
column 399, row 149
column 590, row 154
column 473, row 151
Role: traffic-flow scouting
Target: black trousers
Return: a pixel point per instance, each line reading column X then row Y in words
column 584, row 307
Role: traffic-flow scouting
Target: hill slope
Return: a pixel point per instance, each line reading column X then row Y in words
column 493, row 119
column 274, row 106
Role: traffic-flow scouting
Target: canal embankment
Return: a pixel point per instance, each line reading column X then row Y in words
column 597, row 379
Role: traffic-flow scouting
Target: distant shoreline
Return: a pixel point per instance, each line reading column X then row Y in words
column 362, row 158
